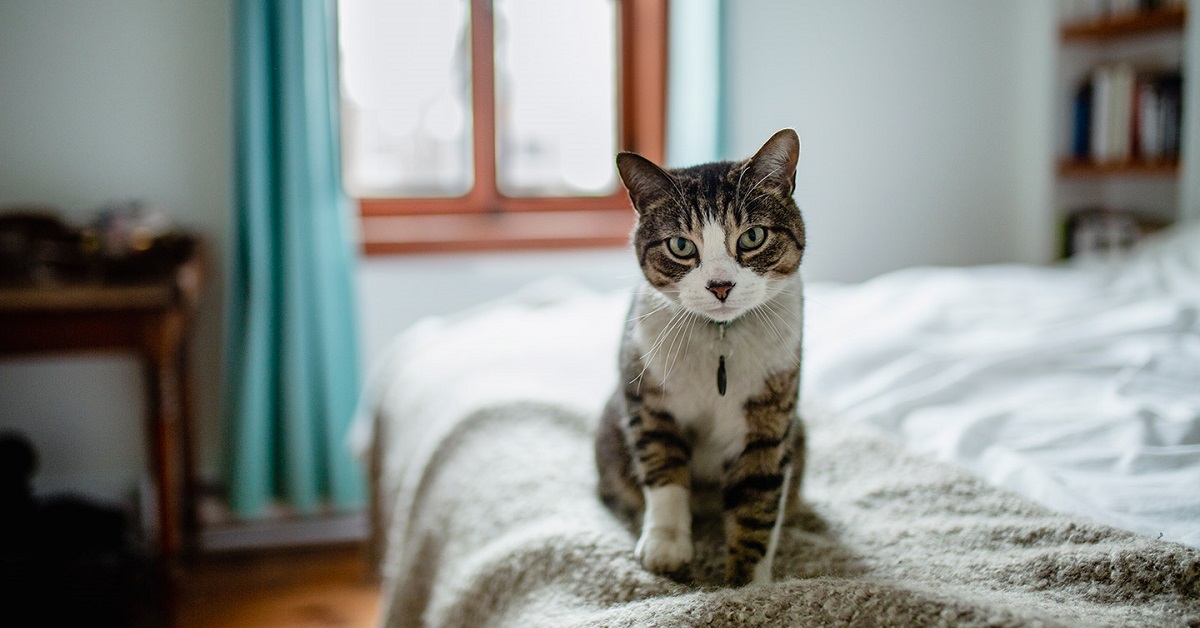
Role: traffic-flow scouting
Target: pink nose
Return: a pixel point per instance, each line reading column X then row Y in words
column 720, row 288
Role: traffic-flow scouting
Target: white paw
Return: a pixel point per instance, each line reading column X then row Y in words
column 664, row 549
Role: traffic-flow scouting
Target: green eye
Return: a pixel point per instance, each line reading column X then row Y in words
column 752, row 238
column 681, row 247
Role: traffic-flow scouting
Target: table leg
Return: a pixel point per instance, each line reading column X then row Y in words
column 191, row 524
column 161, row 394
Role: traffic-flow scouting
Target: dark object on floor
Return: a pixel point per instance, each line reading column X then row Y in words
column 64, row 560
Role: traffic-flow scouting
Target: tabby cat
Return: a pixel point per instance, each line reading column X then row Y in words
column 710, row 359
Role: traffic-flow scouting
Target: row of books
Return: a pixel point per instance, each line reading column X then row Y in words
column 1122, row 113
column 1083, row 10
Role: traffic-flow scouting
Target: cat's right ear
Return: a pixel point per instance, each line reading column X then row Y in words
column 648, row 185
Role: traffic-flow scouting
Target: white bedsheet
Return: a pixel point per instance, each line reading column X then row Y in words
column 1076, row 386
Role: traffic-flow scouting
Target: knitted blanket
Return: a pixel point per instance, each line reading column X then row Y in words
column 496, row 536
column 486, row 503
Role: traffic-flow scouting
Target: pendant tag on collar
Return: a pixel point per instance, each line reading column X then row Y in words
column 721, row 377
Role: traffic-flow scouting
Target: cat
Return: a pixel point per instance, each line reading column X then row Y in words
column 710, row 358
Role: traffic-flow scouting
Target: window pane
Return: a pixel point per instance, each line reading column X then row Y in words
column 406, row 97
column 556, row 97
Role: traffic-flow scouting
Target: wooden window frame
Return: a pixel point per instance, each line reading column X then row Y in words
column 485, row 219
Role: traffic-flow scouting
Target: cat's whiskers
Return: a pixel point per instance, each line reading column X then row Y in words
column 674, row 352
column 680, row 198
column 755, row 199
column 674, row 326
column 643, row 317
column 695, row 319
column 808, row 299
column 646, row 358
column 670, row 353
column 790, row 292
column 774, row 307
column 770, row 310
column 760, row 181
column 737, row 199
column 663, row 332
column 664, row 302
column 762, row 316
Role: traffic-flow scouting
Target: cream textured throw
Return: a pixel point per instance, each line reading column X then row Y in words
column 504, row 531
column 485, row 500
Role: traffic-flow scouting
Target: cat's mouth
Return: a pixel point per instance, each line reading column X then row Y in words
column 723, row 312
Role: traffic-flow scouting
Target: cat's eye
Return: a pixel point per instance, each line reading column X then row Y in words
column 681, row 247
column 752, row 238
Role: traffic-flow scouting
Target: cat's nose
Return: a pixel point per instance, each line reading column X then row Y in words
column 720, row 289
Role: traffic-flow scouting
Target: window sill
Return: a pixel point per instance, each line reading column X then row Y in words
column 443, row 233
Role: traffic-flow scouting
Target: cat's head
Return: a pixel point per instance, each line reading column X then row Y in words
column 718, row 239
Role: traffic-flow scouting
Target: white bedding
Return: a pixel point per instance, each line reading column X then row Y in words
column 1076, row 386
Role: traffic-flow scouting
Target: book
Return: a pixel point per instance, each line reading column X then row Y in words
column 1121, row 113
column 1081, row 114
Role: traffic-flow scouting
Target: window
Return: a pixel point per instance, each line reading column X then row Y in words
column 488, row 124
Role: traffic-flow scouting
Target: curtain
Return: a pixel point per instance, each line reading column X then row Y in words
column 291, row 344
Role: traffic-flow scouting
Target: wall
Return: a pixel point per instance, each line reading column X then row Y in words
column 1189, row 180
column 100, row 102
column 917, row 120
column 395, row 292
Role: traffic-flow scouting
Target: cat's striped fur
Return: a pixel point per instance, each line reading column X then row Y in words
column 710, row 360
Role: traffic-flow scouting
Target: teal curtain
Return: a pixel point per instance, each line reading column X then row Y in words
column 292, row 348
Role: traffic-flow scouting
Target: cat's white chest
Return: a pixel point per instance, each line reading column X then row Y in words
column 687, row 365
column 712, row 421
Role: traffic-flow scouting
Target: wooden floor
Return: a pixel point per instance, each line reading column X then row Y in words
column 297, row 588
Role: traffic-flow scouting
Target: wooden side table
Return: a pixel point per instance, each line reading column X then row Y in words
column 152, row 318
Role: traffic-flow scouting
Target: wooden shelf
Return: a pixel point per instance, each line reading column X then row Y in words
column 1080, row 168
column 1126, row 24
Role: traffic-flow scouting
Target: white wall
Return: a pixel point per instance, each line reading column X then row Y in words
column 395, row 292
column 99, row 102
column 915, row 120
column 1189, row 180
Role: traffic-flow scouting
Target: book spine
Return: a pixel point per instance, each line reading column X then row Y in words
column 1101, row 103
column 1082, row 122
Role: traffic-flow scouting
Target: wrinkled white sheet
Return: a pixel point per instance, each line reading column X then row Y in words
column 1076, row 386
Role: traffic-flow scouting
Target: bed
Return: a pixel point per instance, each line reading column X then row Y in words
column 998, row 445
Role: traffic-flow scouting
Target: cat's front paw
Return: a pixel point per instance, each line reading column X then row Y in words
column 664, row 549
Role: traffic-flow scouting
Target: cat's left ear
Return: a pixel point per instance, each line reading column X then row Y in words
column 773, row 167
column 648, row 184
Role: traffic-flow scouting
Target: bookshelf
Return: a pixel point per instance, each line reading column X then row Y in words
column 1071, row 167
column 1120, row 87
column 1125, row 24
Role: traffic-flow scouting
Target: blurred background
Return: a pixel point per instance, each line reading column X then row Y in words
column 931, row 134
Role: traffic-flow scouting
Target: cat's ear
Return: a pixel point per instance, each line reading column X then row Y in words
column 648, row 184
column 773, row 167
